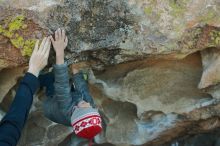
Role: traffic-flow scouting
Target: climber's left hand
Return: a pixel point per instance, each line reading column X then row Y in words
column 39, row 57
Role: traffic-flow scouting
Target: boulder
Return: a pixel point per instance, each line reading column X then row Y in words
column 164, row 95
column 148, row 77
column 127, row 29
column 8, row 79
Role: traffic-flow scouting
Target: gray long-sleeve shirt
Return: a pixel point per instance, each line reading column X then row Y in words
column 59, row 107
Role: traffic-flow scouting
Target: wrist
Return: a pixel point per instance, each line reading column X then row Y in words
column 60, row 61
column 60, row 58
column 33, row 71
column 60, row 53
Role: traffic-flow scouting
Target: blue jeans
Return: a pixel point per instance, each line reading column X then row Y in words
column 53, row 109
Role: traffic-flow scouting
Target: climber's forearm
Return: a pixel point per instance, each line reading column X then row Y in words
column 13, row 122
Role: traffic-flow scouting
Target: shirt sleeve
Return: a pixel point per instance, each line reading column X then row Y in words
column 62, row 88
column 13, row 122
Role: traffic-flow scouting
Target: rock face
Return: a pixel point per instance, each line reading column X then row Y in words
column 164, row 94
column 154, row 66
column 211, row 138
column 41, row 131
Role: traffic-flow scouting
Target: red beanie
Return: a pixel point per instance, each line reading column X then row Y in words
column 88, row 125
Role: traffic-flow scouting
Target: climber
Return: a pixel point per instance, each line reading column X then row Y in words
column 13, row 122
column 69, row 104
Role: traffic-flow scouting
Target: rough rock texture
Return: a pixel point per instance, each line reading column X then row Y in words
column 169, row 86
column 8, row 78
column 18, row 34
column 40, row 131
column 207, row 139
column 160, row 104
column 210, row 58
column 154, row 66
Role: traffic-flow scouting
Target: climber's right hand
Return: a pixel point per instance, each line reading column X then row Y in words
column 59, row 44
column 39, row 57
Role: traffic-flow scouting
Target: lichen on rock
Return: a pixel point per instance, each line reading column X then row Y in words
column 16, row 23
column 10, row 29
column 18, row 34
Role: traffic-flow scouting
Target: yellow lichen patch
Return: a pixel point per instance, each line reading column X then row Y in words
column 28, row 47
column 215, row 37
column 5, row 32
column 1, row 29
column 217, row 41
column 16, row 23
column 8, row 34
column 18, row 42
column 10, row 28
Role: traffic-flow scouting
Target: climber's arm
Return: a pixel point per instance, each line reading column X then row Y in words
column 61, row 84
column 13, row 122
